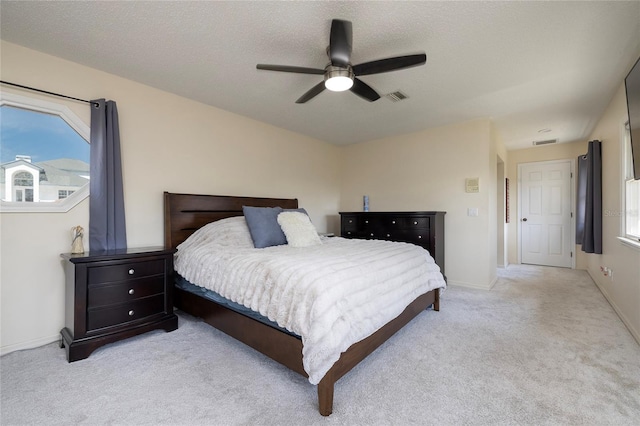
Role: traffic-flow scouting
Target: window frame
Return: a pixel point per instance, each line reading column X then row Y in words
column 625, row 153
column 80, row 127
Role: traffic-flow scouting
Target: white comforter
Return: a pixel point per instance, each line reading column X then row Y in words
column 332, row 295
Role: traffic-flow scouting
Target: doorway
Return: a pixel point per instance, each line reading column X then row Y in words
column 545, row 213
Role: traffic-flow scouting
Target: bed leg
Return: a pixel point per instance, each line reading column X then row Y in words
column 325, row 394
column 436, row 303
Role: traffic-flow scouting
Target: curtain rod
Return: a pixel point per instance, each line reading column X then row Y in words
column 48, row 93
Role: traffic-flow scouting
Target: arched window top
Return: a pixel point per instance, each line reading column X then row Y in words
column 49, row 143
column 23, row 179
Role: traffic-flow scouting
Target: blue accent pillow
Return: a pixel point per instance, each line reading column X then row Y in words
column 263, row 226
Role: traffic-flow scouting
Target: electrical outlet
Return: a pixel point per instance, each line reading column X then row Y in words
column 607, row 272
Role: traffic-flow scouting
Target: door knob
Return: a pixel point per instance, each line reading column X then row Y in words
column 524, row 219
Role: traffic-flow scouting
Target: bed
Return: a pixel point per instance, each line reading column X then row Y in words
column 187, row 213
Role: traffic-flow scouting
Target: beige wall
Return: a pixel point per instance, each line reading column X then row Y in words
column 563, row 151
column 174, row 144
column 169, row 143
column 427, row 171
column 623, row 288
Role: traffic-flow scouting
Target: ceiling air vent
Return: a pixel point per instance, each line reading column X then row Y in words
column 547, row 142
column 397, row 96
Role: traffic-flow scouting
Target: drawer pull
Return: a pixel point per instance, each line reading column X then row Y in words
column 131, row 291
column 366, row 221
column 415, row 223
column 132, row 271
column 419, row 237
column 393, row 222
column 131, row 313
column 388, row 235
column 350, row 221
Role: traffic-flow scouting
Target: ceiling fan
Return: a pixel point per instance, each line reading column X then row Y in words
column 339, row 74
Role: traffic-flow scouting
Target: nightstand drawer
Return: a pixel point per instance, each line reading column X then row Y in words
column 126, row 312
column 125, row 271
column 105, row 294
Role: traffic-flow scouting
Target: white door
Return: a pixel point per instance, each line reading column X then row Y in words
column 546, row 214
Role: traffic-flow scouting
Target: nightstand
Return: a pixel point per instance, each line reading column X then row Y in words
column 114, row 295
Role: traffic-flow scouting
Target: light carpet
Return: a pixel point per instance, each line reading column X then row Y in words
column 542, row 347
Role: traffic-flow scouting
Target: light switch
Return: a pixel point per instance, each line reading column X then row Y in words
column 472, row 211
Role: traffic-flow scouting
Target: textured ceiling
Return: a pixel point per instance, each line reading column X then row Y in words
column 525, row 65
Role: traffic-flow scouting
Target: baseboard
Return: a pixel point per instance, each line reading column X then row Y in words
column 623, row 318
column 30, row 344
column 472, row 285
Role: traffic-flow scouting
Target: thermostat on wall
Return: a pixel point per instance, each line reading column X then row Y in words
column 472, row 184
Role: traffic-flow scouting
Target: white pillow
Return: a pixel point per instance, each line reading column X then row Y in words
column 298, row 229
column 232, row 231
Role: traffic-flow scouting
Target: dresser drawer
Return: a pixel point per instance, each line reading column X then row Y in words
column 125, row 312
column 349, row 223
column 124, row 291
column 416, row 236
column 414, row 222
column 373, row 225
column 125, row 271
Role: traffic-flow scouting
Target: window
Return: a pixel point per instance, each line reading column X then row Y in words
column 64, row 194
column 631, row 198
column 44, row 161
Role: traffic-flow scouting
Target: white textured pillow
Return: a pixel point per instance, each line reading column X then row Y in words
column 298, row 229
column 232, row 231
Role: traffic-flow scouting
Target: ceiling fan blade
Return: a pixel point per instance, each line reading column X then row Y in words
column 363, row 90
column 340, row 43
column 313, row 92
column 389, row 64
column 286, row 68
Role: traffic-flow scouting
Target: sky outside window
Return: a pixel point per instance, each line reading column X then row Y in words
column 42, row 136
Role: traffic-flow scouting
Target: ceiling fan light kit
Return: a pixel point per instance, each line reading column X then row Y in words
column 338, row 79
column 340, row 75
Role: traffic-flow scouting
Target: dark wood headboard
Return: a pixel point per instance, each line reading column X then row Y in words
column 185, row 213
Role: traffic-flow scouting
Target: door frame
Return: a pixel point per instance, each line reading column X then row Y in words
column 572, row 163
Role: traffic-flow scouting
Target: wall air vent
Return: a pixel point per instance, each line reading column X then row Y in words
column 397, row 96
column 547, row 142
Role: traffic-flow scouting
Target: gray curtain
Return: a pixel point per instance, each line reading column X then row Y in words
column 589, row 209
column 107, row 230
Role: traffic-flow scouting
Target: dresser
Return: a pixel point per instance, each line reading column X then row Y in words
column 117, row 294
column 425, row 229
